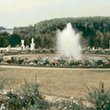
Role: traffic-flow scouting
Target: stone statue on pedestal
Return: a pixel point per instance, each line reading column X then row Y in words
column 32, row 45
column 8, row 48
column 22, row 45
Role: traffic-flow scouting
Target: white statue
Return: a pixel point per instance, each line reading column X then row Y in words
column 22, row 45
column 27, row 47
column 8, row 48
column 93, row 48
column 32, row 45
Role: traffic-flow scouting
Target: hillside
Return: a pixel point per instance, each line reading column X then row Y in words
column 95, row 30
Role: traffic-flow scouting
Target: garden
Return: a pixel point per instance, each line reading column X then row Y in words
column 55, row 61
column 29, row 98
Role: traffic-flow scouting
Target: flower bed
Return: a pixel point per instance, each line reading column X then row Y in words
column 56, row 62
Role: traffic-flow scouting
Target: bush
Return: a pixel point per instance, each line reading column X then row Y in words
column 28, row 98
column 32, row 98
column 99, row 98
column 13, row 101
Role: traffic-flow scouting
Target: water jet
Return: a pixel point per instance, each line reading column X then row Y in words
column 68, row 43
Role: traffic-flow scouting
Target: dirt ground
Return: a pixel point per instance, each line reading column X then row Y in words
column 59, row 82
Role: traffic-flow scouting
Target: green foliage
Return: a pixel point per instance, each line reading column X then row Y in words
column 4, row 39
column 28, row 98
column 95, row 30
column 15, row 40
column 99, row 98
column 32, row 97
column 13, row 101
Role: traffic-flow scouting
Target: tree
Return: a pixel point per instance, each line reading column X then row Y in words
column 15, row 40
column 4, row 39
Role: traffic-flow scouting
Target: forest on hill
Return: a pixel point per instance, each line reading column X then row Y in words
column 95, row 32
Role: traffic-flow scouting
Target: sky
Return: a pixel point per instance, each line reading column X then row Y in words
column 15, row 13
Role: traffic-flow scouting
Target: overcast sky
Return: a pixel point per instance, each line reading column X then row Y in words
column 28, row 12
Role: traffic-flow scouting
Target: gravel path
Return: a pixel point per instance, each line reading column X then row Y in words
column 54, row 68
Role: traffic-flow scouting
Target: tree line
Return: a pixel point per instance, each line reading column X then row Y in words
column 95, row 31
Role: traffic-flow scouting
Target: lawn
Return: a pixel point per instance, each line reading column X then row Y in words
column 59, row 82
